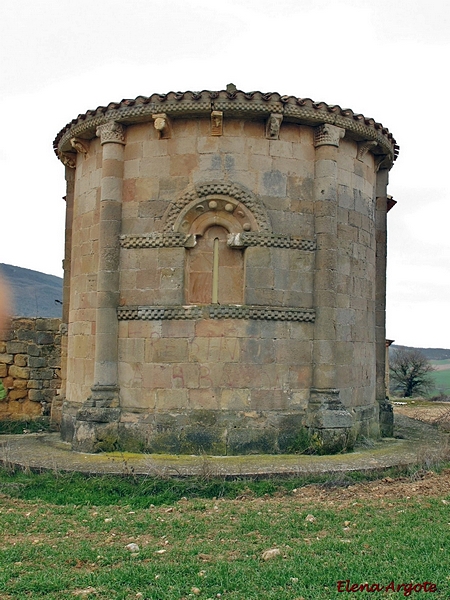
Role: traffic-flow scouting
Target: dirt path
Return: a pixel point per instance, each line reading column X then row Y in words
column 436, row 413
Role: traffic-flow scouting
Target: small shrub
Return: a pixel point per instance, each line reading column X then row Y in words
column 11, row 426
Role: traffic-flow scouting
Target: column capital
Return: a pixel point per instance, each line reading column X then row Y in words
column 111, row 133
column 328, row 135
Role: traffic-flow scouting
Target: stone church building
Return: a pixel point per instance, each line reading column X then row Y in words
column 225, row 274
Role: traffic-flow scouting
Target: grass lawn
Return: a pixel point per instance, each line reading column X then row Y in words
column 65, row 536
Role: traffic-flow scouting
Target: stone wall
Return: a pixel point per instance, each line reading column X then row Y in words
column 224, row 274
column 30, row 367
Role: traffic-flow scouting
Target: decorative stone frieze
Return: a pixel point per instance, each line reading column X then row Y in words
column 244, row 240
column 273, row 126
column 252, row 105
column 215, row 311
column 158, row 240
column 149, row 313
column 263, row 313
column 224, row 188
column 328, row 135
column 111, row 133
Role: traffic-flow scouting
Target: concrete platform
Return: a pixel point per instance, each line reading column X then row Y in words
column 415, row 442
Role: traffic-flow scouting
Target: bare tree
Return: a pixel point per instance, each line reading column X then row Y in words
column 410, row 372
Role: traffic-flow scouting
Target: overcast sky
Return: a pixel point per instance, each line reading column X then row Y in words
column 386, row 59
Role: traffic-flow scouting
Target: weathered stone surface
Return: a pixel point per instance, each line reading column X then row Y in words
column 20, row 384
column 238, row 276
column 252, row 441
column 14, row 347
column 386, row 419
column 34, row 362
column 17, row 394
column 21, row 360
column 6, row 358
column 33, row 350
column 35, row 395
column 27, row 368
column 19, row 372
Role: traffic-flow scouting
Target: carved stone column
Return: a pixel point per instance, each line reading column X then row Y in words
column 327, row 417
column 381, row 208
column 56, row 411
column 97, row 421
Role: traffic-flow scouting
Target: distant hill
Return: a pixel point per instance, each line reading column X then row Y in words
column 35, row 294
column 429, row 353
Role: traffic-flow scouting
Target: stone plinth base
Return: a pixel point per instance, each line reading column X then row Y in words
column 92, row 429
column 94, row 426
column 95, row 436
column 329, row 422
column 213, row 432
column 386, row 419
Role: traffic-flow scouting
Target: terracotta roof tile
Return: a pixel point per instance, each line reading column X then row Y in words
column 87, row 122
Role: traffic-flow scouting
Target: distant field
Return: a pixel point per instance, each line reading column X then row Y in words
column 441, row 365
column 441, row 377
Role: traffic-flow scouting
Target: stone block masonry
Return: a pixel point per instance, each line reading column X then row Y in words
column 30, row 367
column 224, row 274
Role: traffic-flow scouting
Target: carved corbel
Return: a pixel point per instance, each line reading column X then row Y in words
column 69, row 159
column 364, row 147
column 273, row 126
column 81, row 146
column 111, row 132
column 216, row 122
column 163, row 126
column 191, row 241
column 382, row 161
column 234, row 240
column 328, row 135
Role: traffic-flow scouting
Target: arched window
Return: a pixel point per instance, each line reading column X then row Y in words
column 214, row 271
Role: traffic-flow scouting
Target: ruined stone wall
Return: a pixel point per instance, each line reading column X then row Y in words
column 30, row 367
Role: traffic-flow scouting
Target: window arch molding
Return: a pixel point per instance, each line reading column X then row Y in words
column 198, row 215
column 207, row 192
column 214, row 271
column 211, row 214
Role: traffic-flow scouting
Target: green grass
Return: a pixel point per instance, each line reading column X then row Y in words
column 65, row 533
column 141, row 492
column 15, row 426
column 442, row 382
column 441, row 378
column 145, row 492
